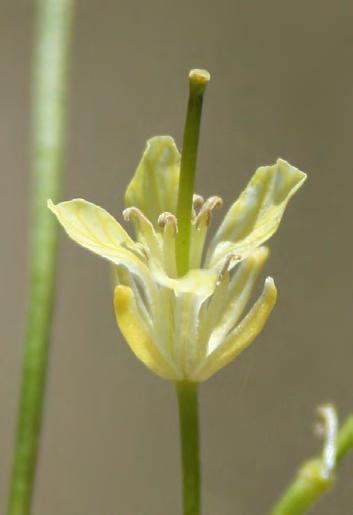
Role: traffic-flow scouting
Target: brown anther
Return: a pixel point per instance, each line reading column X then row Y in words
column 197, row 201
column 166, row 220
column 229, row 262
column 205, row 213
column 129, row 212
column 213, row 202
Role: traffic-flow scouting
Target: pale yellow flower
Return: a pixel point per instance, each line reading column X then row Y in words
column 186, row 328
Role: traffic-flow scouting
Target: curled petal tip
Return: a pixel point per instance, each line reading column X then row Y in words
column 285, row 165
column 122, row 297
column 260, row 255
column 270, row 287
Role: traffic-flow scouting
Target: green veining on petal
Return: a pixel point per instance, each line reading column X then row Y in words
column 154, row 187
column 257, row 213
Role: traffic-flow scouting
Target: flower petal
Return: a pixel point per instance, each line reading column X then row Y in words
column 177, row 321
column 154, row 187
column 242, row 336
column 122, row 276
column 137, row 335
column 186, row 320
column 256, row 215
column 93, row 228
column 200, row 282
column 224, row 312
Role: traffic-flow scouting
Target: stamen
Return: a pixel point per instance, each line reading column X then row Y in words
column 134, row 212
column 200, row 225
column 229, row 263
column 205, row 213
column 144, row 230
column 197, row 201
column 168, row 221
column 138, row 249
column 145, row 251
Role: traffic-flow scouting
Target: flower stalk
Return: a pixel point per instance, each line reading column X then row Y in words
column 189, row 433
column 317, row 475
column 48, row 134
column 187, row 392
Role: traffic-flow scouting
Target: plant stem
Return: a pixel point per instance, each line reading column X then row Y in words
column 310, row 483
column 189, row 435
column 187, row 392
column 198, row 80
column 344, row 440
column 47, row 144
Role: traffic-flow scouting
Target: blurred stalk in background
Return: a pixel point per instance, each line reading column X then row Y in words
column 49, row 99
column 317, row 475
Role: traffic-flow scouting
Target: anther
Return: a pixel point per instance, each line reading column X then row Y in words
column 168, row 220
column 213, row 202
column 130, row 212
column 229, row 262
column 205, row 213
column 197, row 201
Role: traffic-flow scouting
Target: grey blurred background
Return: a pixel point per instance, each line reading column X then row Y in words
column 282, row 82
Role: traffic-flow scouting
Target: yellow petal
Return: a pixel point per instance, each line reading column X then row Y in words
column 223, row 313
column 154, row 187
column 256, row 215
column 138, row 336
column 200, row 282
column 122, row 276
column 186, row 320
column 93, row 228
column 200, row 227
column 176, row 321
column 240, row 337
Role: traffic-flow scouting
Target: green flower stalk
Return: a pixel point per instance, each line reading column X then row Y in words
column 317, row 475
column 179, row 305
column 48, row 135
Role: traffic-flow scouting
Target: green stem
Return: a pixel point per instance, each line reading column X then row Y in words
column 189, row 434
column 344, row 440
column 48, row 131
column 197, row 80
column 310, row 483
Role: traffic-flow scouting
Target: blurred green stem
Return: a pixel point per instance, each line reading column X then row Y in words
column 189, row 435
column 344, row 440
column 312, row 481
column 47, row 144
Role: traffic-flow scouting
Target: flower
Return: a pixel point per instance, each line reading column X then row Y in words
column 185, row 328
